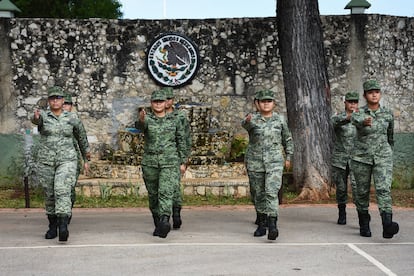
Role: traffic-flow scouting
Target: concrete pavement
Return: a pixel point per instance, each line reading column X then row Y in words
column 212, row 241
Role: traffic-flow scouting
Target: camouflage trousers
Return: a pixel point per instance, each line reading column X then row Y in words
column 73, row 191
column 161, row 184
column 340, row 179
column 264, row 188
column 57, row 182
column 382, row 175
column 177, row 197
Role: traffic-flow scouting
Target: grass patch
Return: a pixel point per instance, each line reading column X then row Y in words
column 199, row 200
column 14, row 197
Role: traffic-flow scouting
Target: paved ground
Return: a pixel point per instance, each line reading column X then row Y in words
column 212, row 241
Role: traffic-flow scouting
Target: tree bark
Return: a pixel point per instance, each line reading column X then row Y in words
column 307, row 93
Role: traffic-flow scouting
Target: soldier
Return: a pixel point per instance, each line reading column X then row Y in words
column 252, row 190
column 341, row 157
column 57, row 160
column 67, row 106
column 372, row 157
column 269, row 140
column 182, row 119
column 165, row 147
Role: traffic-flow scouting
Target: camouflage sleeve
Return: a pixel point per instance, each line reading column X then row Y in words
column 182, row 134
column 79, row 133
column 390, row 131
column 339, row 119
column 357, row 119
column 38, row 121
column 286, row 139
column 141, row 125
column 246, row 125
column 187, row 130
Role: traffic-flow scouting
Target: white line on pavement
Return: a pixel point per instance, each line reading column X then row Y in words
column 372, row 260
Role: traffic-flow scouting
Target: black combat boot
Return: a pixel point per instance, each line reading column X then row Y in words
column 261, row 228
column 272, row 225
column 257, row 220
column 389, row 227
column 164, row 226
column 63, row 228
column 53, row 224
column 70, row 217
column 156, row 219
column 176, row 217
column 364, row 219
column 341, row 214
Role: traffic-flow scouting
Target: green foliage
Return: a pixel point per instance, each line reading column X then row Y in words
column 14, row 172
column 12, row 159
column 224, row 151
column 134, row 190
column 79, row 9
column 106, row 191
column 13, row 196
column 395, row 184
column 238, row 148
column 118, row 201
column 403, row 180
column 289, row 195
column 210, row 199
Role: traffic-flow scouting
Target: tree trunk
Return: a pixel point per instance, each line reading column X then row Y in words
column 7, row 97
column 307, row 95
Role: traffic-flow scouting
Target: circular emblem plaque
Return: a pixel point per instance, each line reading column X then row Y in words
column 172, row 59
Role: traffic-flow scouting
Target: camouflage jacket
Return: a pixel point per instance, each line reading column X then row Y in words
column 373, row 144
column 165, row 142
column 344, row 140
column 182, row 119
column 56, row 137
column 269, row 140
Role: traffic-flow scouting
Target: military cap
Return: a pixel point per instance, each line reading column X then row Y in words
column 68, row 98
column 169, row 93
column 55, row 91
column 371, row 85
column 352, row 96
column 265, row 95
column 158, row 95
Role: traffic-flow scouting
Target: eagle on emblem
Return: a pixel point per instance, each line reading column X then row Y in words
column 176, row 54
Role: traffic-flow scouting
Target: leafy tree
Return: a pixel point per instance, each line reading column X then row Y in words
column 80, row 9
column 307, row 91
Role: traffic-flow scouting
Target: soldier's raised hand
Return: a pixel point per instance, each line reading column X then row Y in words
column 142, row 114
column 288, row 164
column 37, row 114
column 368, row 121
column 248, row 117
column 86, row 168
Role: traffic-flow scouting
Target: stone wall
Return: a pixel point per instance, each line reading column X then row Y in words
column 102, row 63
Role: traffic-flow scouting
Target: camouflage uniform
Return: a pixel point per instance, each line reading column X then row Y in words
column 373, row 157
column 181, row 119
column 341, row 157
column 57, row 159
column 269, row 139
column 68, row 100
column 165, row 146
